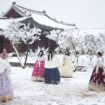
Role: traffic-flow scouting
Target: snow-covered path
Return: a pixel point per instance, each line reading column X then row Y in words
column 71, row 91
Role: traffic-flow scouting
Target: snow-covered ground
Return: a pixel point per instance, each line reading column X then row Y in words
column 83, row 60
column 70, row 91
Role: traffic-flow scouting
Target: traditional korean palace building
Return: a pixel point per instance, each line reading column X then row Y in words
column 34, row 18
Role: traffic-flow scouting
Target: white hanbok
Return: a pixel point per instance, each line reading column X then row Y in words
column 66, row 68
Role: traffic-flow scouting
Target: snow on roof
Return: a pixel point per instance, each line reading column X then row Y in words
column 44, row 20
column 40, row 17
column 5, row 22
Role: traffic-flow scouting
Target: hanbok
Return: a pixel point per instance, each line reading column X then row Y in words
column 97, row 79
column 66, row 68
column 52, row 75
column 6, row 89
column 38, row 71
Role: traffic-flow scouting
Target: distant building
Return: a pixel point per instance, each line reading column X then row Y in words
column 34, row 18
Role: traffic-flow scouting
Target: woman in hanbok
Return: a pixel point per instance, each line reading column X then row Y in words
column 6, row 89
column 66, row 67
column 38, row 71
column 52, row 75
column 97, row 79
column 4, row 54
column 5, row 57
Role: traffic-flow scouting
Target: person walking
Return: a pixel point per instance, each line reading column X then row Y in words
column 97, row 79
column 52, row 75
column 65, row 69
column 38, row 71
column 6, row 89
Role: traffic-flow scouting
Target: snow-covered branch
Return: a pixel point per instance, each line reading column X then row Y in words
column 18, row 32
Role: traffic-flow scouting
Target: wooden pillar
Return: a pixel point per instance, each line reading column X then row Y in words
column 49, row 44
column 2, row 43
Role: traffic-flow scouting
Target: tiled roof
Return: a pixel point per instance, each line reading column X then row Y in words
column 40, row 17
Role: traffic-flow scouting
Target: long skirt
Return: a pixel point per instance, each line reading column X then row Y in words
column 6, row 89
column 38, row 72
column 97, row 80
column 66, row 69
column 52, row 76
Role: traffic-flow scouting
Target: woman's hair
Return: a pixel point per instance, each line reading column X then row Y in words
column 67, row 53
column 50, row 55
column 99, row 53
column 40, row 53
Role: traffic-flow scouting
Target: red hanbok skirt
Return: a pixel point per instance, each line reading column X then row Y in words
column 97, row 80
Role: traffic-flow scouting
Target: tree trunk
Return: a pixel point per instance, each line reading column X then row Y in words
column 17, row 55
column 26, row 56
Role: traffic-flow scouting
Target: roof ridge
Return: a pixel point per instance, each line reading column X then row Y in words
column 31, row 10
column 44, row 13
column 59, row 21
column 16, row 9
column 23, row 10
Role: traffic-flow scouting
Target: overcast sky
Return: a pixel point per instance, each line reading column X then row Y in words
column 84, row 13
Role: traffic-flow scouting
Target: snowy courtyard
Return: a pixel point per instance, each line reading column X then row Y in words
column 70, row 91
column 52, row 39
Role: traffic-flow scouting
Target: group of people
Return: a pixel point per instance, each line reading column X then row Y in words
column 48, row 69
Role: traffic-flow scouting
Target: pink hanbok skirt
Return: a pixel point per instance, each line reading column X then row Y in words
column 38, row 71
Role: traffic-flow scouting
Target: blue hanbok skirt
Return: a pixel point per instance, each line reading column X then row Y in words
column 52, row 75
